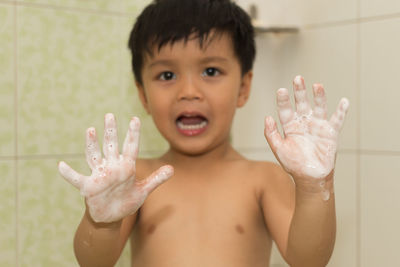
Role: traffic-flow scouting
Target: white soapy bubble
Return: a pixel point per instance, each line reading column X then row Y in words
column 326, row 195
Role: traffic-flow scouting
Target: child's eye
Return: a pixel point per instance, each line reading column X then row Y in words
column 210, row 72
column 167, row 76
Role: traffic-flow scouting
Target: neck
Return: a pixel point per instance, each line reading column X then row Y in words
column 210, row 158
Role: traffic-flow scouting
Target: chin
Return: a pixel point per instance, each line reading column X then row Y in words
column 191, row 150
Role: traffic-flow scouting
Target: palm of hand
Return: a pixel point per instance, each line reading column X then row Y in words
column 112, row 191
column 309, row 145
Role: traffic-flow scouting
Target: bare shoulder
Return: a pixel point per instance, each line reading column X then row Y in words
column 272, row 181
column 268, row 172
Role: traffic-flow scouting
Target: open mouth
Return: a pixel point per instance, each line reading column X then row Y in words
column 191, row 125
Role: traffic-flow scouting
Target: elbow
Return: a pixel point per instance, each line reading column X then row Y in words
column 308, row 259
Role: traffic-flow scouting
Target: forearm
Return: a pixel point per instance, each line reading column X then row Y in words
column 98, row 244
column 313, row 227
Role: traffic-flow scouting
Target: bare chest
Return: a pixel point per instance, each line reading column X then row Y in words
column 214, row 223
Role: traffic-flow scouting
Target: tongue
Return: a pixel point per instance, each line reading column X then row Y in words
column 191, row 120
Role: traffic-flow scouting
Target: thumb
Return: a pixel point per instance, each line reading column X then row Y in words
column 157, row 178
column 271, row 134
column 70, row 174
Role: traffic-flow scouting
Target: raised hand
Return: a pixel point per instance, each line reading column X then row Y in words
column 308, row 148
column 112, row 191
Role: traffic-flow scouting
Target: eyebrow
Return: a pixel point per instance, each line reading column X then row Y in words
column 166, row 62
column 162, row 62
column 214, row 58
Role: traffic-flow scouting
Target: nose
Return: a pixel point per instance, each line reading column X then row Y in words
column 189, row 90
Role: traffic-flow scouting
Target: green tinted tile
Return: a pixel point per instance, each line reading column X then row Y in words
column 74, row 69
column 7, row 80
column 150, row 138
column 134, row 7
column 125, row 258
column 101, row 5
column 69, row 77
column 7, row 214
column 49, row 212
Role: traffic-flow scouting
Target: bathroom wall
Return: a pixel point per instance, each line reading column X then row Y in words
column 61, row 60
column 64, row 64
column 352, row 47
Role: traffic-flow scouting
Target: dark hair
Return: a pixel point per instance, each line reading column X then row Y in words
column 168, row 21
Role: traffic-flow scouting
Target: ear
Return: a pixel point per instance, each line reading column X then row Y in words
column 244, row 91
column 142, row 96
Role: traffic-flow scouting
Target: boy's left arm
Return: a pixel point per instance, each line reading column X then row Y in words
column 307, row 152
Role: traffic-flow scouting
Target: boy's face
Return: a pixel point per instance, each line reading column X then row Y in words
column 192, row 92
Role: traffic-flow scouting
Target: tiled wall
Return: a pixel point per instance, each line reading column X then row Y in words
column 352, row 47
column 64, row 64
column 61, row 60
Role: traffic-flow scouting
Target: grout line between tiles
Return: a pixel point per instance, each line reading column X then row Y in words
column 16, row 173
column 51, row 156
column 10, row 2
column 379, row 17
column 347, row 22
column 241, row 149
column 75, row 9
column 358, row 135
column 6, row 158
column 65, row 156
column 341, row 151
column 329, row 24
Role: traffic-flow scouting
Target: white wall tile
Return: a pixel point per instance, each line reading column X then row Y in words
column 292, row 12
column 248, row 126
column 276, row 258
column 273, row 12
column 345, row 250
column 327, row 56
column 380, row 64
column 323, row 11
column 380, row 216
column 258, row 155
column 378, row 7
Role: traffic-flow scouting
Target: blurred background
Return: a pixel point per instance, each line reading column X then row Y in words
column 65, row 63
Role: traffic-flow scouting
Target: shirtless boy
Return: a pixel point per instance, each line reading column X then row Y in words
column 192, row 62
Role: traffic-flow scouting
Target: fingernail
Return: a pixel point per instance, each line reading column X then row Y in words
column 345, row 104
column 168, row 170
column 281, row 91
column 298, row 80
column 134, row 123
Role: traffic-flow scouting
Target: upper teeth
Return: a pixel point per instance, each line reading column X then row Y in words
column 192, row 126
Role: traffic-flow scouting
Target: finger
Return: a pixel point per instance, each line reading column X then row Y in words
column 285, row 110
column 337, row 118
column 156, row 178
column 300, row 96
column 70, row 175
column 320, row 108
column 110, row 144
column 93, row 154
column 272, row 135
column 131, row 143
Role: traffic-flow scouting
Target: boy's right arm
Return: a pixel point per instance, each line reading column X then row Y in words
column 112, row 194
